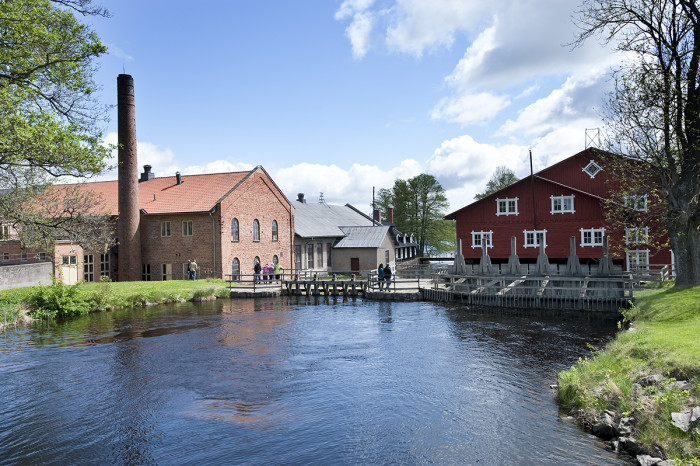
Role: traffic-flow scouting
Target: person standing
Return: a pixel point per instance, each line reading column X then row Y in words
column 380, row 276
column 256, row 271
column 189, row 270
column 193, row 270
column 278, row 271
column 387, row 277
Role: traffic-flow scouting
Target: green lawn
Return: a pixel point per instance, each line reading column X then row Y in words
column 64, row 300
column 664, row 338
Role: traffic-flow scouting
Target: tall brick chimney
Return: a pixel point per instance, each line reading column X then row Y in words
column 390, row 215
column 129, row 235
column 377, row 215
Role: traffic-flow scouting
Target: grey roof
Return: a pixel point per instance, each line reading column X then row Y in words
column 324, row 220
column 363, row 237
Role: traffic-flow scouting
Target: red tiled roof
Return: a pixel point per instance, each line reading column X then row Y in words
column 196, row 193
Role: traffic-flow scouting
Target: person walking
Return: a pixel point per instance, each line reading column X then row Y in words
column 387, row 277
column 380, row 276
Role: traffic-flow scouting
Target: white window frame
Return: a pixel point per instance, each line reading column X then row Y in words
column 165, row 229
column 635, row 253
column 503, row 206
column 562, row 205
column 637, row 235
column 594, row 166
column 633, row 202
column 478, row 237
column 535, row 233
column 593, row 242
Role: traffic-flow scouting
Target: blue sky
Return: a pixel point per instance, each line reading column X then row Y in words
column 341, row 96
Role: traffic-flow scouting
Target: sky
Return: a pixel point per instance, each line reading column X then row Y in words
column 337, row 98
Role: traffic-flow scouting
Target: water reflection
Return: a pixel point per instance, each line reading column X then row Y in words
column 294, row 381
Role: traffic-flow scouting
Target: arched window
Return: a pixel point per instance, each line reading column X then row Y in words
column 256, row 230
column 234, row 229
column 235, row 269
column 274, row 230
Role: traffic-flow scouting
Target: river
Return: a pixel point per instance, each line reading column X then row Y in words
column 291, row 381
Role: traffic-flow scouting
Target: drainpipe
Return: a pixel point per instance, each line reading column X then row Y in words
column 213, row 238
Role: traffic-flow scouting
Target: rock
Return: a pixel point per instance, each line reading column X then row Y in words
column 686, row 419
column 647, row 460
column 598, row 391
column 630, row 445
column 624, row 427
column 650, row 380
column 680, row 384
column 605, row 426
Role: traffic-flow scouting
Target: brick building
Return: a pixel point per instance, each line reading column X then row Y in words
column 223, row 221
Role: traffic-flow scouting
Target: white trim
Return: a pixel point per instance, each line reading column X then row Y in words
column 635, row 252
column 592, row 163
column 506, row 203
column 637, row 232
column 481, row 235
column 633, row 201
column 563, row 200
column 536, row 244
column 593, row 241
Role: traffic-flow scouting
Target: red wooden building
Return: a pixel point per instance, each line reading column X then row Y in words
column 554, row 204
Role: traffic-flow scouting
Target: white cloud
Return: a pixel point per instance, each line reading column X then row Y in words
column 359, row 33
column 577, row 99
column 417, row 25
column 469, row 109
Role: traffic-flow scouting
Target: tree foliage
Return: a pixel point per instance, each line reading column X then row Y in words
column 419, row 204
column 654, row 113
column 49, row 117
column 501, row 178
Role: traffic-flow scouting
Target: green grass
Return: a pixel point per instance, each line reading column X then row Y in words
column 664, row 339
column 64, row 300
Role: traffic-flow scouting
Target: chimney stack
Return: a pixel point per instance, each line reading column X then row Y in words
column 129, row 235
column 178, row 178
column 147, row 173
column 300, row 198
column 390, row 215
column 377, row 216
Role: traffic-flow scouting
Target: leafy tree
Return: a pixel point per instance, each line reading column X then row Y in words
column 501, row 178
column 654, row 113
column 49, row 118
column 419, row 205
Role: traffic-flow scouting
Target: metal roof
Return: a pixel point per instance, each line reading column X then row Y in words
column 363, row 237
column 324, row 220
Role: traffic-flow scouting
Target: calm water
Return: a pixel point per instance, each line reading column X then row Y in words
column 292, row 382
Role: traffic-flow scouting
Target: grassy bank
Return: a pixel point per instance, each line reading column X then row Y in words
column 59, row 300
column 663, row 339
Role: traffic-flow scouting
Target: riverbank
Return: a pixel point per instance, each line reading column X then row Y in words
column 24, row 304
column 642, row 391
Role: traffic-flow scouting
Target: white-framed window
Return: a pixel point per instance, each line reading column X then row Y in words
column 592, row 236
column 562, row 204
column 235, row 269
column 533, row 238
column 164, row 228
column 275, row 235
column 638, row 259
column 592, row 169
column 637, row 202
column 636, row 235
column 234, row 230
column 4, row 232
column 508, row 206
column 480, row 238
column 187, row 228
column 256, row 230
column 69, row 260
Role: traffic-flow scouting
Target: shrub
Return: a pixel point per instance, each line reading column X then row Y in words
column 59, row 300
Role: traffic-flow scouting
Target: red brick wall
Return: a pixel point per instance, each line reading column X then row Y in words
column 256, row 198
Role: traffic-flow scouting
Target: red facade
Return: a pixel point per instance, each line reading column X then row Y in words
column 559, row 202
